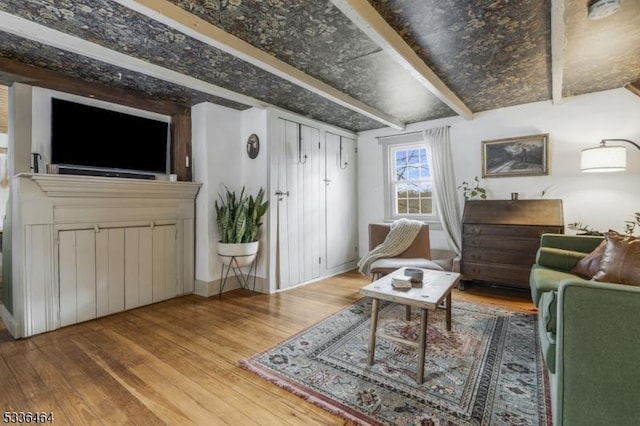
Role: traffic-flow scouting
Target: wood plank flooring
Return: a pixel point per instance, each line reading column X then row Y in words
column 175, row 362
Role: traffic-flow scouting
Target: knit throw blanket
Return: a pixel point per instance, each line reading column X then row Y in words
column 399, row 238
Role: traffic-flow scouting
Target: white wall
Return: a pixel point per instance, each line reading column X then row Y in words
column 216, row 162
column 255, row 171
column 220, row 159
column 601, row 200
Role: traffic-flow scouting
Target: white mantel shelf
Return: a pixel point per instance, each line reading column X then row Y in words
column 54, row 185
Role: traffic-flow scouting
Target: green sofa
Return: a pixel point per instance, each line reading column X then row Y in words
column 590, row 337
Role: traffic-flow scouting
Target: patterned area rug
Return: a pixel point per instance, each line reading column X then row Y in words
column 486, row 371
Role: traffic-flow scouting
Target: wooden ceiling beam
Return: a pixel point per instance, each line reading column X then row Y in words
column 193, row 26
column 13, row 71
column 368, row 20
column 558, row 43
column 634, row 87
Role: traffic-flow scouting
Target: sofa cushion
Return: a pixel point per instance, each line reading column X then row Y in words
column 547, row 345
column 561, row 259
column 589, row 265
column 620, row 261
column 544, row 279
column 548, row 310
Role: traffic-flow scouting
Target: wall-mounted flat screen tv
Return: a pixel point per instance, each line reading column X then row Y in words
column 88, row 136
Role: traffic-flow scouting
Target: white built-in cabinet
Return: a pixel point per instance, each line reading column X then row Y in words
column 315, row 202
column 104, row 271
column 342, row 201
column 83, row 247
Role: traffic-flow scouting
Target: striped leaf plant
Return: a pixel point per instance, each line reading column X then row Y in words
column 238, row 217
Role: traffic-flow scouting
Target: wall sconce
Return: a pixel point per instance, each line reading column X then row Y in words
column 605, row 158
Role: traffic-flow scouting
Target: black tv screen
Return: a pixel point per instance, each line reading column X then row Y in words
column 83, row 135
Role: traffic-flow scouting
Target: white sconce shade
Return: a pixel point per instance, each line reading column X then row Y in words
column 604, row 159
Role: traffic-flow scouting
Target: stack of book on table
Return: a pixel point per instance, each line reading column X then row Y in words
column 401, row 282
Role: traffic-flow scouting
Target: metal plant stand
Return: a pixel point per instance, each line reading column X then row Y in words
column 243, row 279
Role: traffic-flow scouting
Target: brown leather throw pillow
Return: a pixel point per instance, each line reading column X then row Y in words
column 620, row 261
column 589, row 265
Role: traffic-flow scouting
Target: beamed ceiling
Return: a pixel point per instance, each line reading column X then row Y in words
column 355, row 64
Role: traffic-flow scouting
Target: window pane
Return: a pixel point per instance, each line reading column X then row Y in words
column 401, row 191
column 423, row 156
column 414, row 156
column 425, row 190
column 414, row 206
column 425, row 173
column 414, row 173
column 402, row 207
column 426, row 206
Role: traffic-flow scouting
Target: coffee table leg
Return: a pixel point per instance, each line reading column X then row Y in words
column 448, row 311
column 374, row 327
column 407, row 313
column 422, row 345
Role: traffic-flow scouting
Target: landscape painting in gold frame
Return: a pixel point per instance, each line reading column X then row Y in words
column 520, row 156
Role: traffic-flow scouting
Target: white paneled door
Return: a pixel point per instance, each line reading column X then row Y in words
column 316, row 203
column 300, row 203
column 341, row 201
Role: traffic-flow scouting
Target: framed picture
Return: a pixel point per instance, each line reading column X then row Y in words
column 521, row 156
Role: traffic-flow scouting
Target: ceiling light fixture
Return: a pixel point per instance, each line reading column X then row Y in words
column 605, row 158
column 599, row 9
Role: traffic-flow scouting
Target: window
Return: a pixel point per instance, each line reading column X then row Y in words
column 410, row 186
column 408, row 181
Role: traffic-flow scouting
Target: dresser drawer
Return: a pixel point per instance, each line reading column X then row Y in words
column 511, row 257
column 509, row 230
column 515, row 275
column 527, row 245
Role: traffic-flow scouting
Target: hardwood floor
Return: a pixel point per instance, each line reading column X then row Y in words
column 175, row 362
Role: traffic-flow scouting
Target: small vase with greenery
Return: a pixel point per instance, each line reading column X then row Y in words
column 473, row 190
column 238, row 219
column 629, row 227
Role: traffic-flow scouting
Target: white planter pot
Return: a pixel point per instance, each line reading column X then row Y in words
column 244, row 253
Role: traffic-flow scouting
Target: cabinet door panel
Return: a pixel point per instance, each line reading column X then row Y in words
column 67, row 274
column 116, row 270
column 341, row 201
column 86, row 274
column 77, row 276
column 300, row 170
column 131, row 268
column 164, row 262
column 110, row 271
column 169, row 262
column 102, row 273
column 145, row 266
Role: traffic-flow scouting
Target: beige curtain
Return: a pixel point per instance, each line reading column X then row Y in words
column 445, row 193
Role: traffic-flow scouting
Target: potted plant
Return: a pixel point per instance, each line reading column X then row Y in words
column 238, row 219
column 473, row 190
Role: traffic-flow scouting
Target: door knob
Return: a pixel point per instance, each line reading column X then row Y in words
column 281, row 194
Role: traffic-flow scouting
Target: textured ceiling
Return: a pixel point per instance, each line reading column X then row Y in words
column 491, row 54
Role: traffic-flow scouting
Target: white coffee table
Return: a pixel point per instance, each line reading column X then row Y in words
column 435, row 288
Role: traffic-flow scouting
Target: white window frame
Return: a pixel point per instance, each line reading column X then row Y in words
column 393, row 143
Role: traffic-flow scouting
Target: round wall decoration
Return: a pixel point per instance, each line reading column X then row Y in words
column 253, row 146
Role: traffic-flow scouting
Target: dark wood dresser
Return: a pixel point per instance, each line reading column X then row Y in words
column 500, row 238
